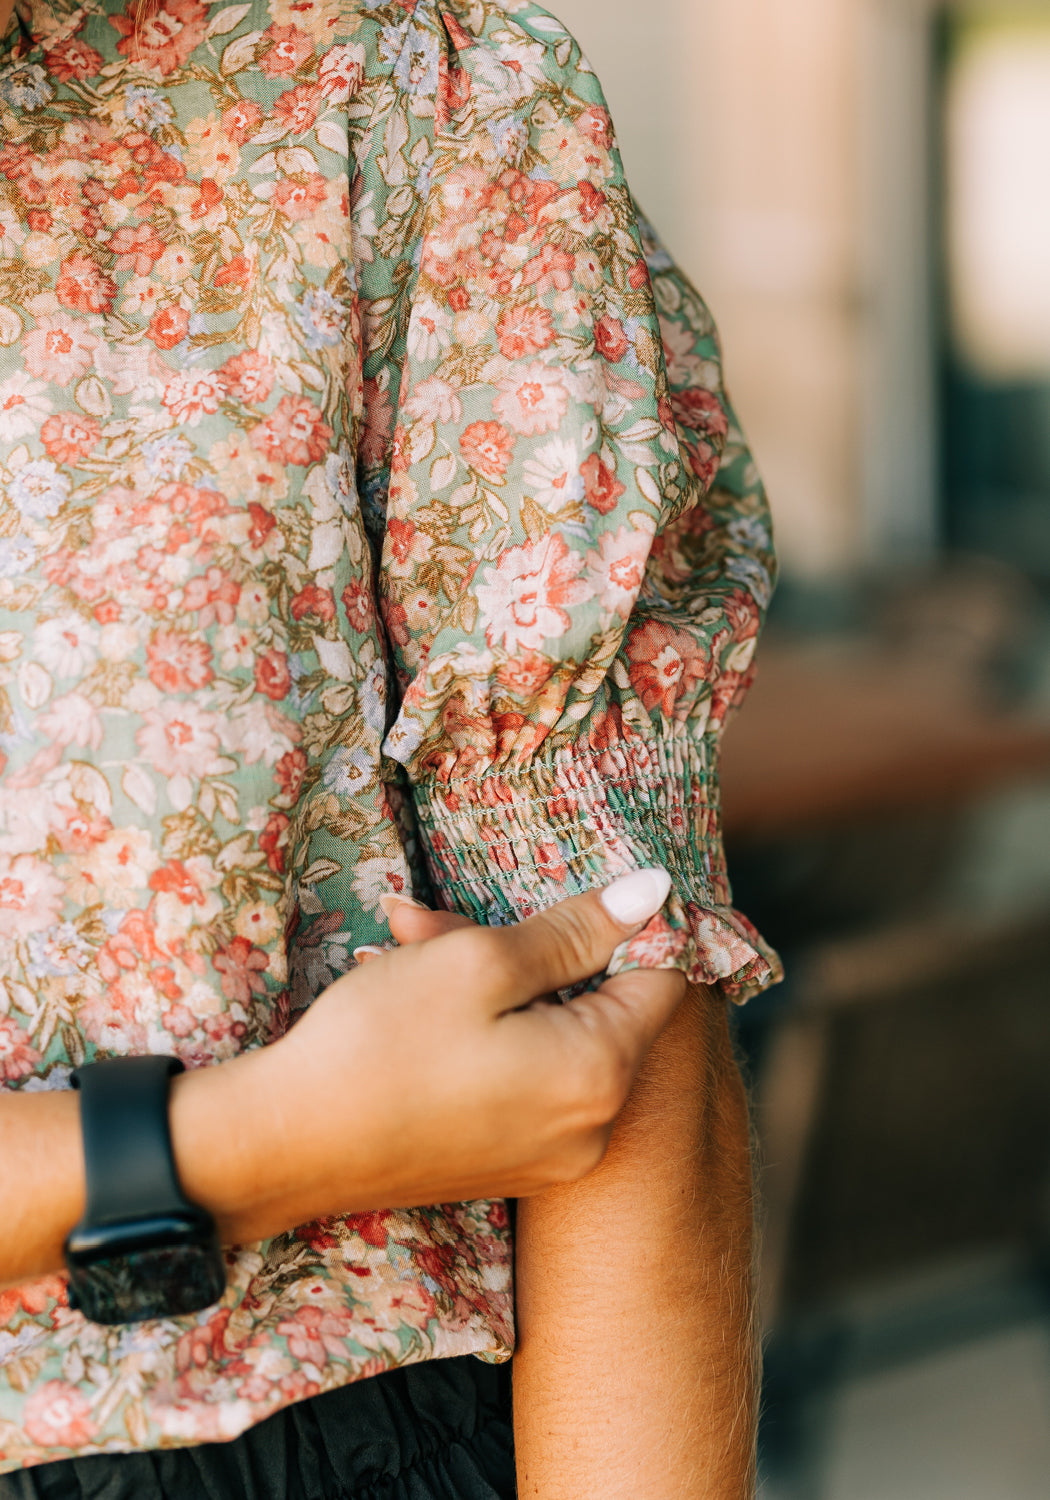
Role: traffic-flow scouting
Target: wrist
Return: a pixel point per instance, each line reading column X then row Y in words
column 228, row 1157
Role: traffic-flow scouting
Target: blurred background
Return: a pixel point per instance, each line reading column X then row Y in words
column 861, row 190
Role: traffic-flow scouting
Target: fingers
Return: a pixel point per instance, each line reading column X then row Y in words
column 411, row 923
column 630, row 1011
column 573, row 940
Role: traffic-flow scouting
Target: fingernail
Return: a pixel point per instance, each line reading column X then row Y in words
column 390, row 903
column 369, row 948
column 634, row 898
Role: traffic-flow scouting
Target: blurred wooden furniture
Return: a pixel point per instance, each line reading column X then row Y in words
column 831, row 734
column 845, row 738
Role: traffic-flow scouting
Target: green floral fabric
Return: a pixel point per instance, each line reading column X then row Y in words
column 373, row 518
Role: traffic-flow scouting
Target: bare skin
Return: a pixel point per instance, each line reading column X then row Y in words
column 492, row 1099
column 635, row 1374
column 6, row 7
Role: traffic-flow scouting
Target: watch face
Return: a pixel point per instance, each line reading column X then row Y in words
column 163, row 1281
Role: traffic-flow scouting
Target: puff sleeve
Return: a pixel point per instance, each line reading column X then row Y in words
column 575, row 547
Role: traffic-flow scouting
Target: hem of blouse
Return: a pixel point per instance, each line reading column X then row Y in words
column 488, row 1345
column 504, row 842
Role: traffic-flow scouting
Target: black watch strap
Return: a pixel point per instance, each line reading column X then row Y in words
column 142, row 1249
column 127, row 1138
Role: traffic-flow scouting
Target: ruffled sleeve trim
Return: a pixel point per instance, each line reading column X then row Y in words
column 504, row 844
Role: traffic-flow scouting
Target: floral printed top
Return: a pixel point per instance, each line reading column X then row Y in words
column 372, row 517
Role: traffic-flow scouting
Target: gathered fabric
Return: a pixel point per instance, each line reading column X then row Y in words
column 373, row 518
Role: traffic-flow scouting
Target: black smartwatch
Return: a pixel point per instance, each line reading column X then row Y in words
column 142, row 1249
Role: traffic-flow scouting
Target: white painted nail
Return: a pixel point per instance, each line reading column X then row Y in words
column 634, row 898
column 370, row 949
column 390, row 902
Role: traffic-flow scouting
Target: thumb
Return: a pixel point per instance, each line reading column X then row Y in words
column 576, row 938
column 628, row 1013
column 409, row 922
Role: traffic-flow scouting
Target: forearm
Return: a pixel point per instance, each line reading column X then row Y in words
column 224, row 1161
column 635, row 1373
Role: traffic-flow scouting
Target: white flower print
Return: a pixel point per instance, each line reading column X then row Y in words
column 552, row 475
column 67, row 645
column 532, row 399
column 39, row 490
column 192, row 395
column 180, row 739
column 30, row 895
column 524, row 599
column 429, row 330
column 117, row 868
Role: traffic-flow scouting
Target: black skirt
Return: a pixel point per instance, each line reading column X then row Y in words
column 435, row 1431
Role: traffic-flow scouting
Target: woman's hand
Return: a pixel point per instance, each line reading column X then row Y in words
column 439, row 1072
column 434, row 1073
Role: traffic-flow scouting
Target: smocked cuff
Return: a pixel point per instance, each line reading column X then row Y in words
column 504, row 844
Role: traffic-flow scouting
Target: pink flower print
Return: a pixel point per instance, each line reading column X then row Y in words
column 163, row 40
column 191, row 395
column 532, row 399
column 665, row 665
column 242, row 968
column 596, row 124
column 77, row 828
column 31, row 895
column 525, row 673
column 205, row 1342
column 313, row 600
column 32, row 1297
column 73, row 59
column 296, row 109
column 273, row 841
column 299, row 197
column 550, row 271
column 57, row 1415
column 249, row 376
column 287, row 48
column 18, row 1058
column 315, row 1332
column 487, row 447
column 617, row 568
column 357, row 601
column 82, row 286
column 136, row 249
column 610, row 339
column 524, row 599
column 168, row 327
column 59, row 348
column 242, row 120
column 178, row 662
column 658, row 946
column 133, row 943
column 523, row 331
column 293, row 433
column 549, row 861
column 272, row 676
column 700, row 411
column 342, row 72
column 602, row 489
column 179, row 739
column 69, row 436
column 289, row 771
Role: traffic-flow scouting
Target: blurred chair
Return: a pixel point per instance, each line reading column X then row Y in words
column 901, row 1074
